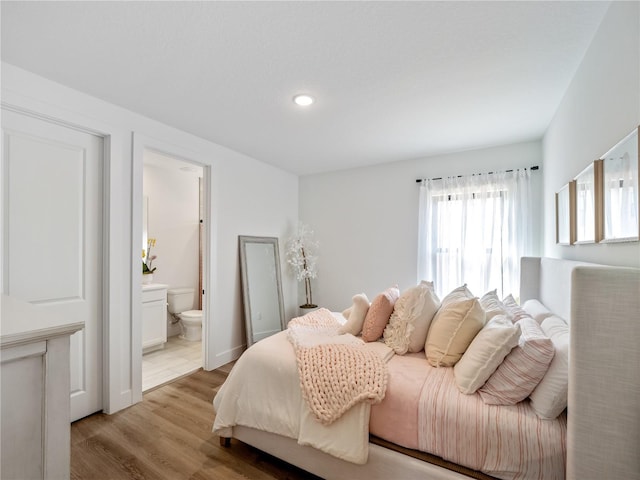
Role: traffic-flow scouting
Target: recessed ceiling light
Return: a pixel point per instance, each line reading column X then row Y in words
column 303, row 100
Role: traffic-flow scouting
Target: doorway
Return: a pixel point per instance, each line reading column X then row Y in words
column 172, row 244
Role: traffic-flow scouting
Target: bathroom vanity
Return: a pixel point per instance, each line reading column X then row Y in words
column 154, row 316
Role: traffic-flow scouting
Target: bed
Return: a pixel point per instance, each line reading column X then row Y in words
column 602, row 397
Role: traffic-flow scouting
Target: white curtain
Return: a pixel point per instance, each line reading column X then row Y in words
column 474, row 229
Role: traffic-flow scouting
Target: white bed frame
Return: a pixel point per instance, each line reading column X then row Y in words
column 602, row 306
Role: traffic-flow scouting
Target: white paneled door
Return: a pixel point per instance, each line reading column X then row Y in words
column 52, row 244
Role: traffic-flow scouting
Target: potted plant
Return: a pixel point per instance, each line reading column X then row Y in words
column 301, row 256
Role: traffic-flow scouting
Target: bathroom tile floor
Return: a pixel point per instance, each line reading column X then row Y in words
column 177, row 358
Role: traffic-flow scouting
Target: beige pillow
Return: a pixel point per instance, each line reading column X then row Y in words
column 452, row 330
column 485, row 353
column 492, row 305
column 457, row 294
column 411, row 317
column 549, row 398
column 378, row 315
column 355, row 315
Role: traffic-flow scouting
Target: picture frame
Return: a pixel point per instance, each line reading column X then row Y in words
column 588, row 204
column 565, row 217
column 620, row 197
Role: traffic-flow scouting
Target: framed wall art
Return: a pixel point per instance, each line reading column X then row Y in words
column 588, row 203
column 565, row 218
column 620, row 165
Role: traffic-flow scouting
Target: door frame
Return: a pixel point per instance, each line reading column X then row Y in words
column 107, row 402
column 141, row 143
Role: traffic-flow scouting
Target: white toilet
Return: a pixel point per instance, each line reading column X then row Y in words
column 180, row 301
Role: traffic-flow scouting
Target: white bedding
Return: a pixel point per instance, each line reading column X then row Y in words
column 267, row 371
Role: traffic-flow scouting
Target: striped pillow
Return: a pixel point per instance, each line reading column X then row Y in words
column 513, row 310
column 492, row 305
column 521, row 371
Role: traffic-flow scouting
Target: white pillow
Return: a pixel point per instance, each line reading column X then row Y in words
column 355, row 317
column 412, row 314
column 485, row 353
column 537, row 310
column 549, row 398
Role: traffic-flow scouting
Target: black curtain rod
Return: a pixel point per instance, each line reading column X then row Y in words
column 419, row 180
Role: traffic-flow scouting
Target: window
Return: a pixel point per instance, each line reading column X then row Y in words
column 474, row 230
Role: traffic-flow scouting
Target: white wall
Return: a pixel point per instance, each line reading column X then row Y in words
column 248, row 197
column 173, row 200
column 174, row 222
column 366, row 219
column 601, row 106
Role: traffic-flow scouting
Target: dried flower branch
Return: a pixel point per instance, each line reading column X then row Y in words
column 301, row 256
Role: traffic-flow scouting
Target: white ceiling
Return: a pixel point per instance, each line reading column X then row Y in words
column 393, row 80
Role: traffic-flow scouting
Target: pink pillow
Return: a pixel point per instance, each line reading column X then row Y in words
column 378, row 314
column 522, row 369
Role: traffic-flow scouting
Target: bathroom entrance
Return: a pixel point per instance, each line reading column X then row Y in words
column 172, row 265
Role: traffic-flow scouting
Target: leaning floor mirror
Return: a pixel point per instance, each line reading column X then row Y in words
column 261, row 287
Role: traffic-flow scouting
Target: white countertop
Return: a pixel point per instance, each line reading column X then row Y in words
column 153, row 286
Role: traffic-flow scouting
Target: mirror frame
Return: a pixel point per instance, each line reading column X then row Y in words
column 243, row 240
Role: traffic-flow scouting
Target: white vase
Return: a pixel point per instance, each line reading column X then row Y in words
column 147, row 278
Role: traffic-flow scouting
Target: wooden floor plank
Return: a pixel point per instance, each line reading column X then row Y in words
column 168, row 437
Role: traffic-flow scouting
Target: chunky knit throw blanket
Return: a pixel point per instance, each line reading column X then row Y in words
column 336, row 371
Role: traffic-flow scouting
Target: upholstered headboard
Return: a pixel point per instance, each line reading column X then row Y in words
column 549, row 280
column 602, row 306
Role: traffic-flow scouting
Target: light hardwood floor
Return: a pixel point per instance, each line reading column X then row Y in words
column 168, row 436
column 177, row 358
